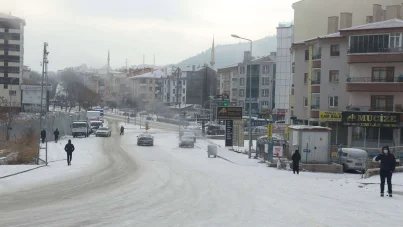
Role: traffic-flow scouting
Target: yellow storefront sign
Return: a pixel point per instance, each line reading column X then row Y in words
column 269, row 131
column 329, row 116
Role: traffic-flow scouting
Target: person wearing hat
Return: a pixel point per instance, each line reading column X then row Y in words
column 388, row 165
column 69, row 148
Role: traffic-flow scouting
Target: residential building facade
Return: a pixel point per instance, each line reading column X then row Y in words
column 11, row 59
column 262, row 78
column 285, row 38
column 320, row 76
column 375, row 82
column 146, row 87
column 311, row 16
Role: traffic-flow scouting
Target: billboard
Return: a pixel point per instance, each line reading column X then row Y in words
column 371, row 119
column 229, row 113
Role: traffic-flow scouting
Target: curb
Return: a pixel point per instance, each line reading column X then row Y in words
column 22, row 172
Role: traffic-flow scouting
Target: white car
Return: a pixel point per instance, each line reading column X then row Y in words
column 190, row 134
column 104, row 132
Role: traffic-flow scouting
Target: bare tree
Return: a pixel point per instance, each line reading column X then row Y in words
column 8, row 114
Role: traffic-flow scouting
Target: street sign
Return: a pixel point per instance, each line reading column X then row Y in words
column 229, row 113
column 306, row 150
column 269, row 131
column 229, row 129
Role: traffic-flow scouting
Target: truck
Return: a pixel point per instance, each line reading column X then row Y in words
column 93, row 115
column 80, row 128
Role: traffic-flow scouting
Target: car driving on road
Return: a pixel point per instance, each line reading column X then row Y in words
column 186, row 141
column 145, row 139
column 103, row 132
column 95, row 125
column 190, row 134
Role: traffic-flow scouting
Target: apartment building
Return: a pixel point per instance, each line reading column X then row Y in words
column 146, row 87
column 375, row 83
column 311, row 16
column 321, row 71
column 11, row 59
column 193, row 86
column 285, row 38
column 237, row 78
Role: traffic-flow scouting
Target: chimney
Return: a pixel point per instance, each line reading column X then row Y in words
column 377, row 13
column 393, row 12
column 346, row 20
column 383, row 15
column 332, row 24
column 246, row 56
column 370, row 19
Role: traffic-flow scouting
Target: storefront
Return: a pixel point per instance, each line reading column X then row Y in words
column 332, row 119
column 372, row 130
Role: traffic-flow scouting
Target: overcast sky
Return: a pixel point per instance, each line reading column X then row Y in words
column 82, row 31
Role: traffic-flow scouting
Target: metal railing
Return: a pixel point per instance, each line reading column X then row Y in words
column 314, row 82
column 374, row 80
column 316, row 56
column 370, row 108
column 315, row 107
column 376, row 50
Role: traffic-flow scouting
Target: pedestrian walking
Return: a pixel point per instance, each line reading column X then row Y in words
column 56, row 133
column 296, row 158
column 69, row 148
column 43, row 135
column 122, row 130
column 388, row 165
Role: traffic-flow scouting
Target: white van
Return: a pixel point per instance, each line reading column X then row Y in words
column 80, row 128
column 353, row 159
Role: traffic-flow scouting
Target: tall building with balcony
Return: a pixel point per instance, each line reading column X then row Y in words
column 321, row 70
column 11, row 59
column 375, row 82
column 236, row 80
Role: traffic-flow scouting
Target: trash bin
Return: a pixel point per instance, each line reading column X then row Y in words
column 212, row 150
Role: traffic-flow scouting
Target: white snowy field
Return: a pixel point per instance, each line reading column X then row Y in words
column 122, row 184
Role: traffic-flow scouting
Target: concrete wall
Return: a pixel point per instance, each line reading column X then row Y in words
column 311, row 16
column 300, row 88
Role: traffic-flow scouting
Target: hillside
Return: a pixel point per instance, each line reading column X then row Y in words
column 232, row 53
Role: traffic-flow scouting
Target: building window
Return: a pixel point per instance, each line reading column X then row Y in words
column 315, row 76
column 317, row 52
column 5, row 86
column 183, row 99
column 12, row 92
column 173, row 83
column 184, row 82
column 265, row 92
column 9, row 69
column 335, row 50
column 333, row 101
column 305, row 78
column 305, row 100
column 174, row 91
column 234, row 93
column 315, row 101
column 183, row 90
column 334, row 76
column 241, row 103
column 265, row 81
column 306, row 55
column 395, row 40
column 381, row 103
column 241, row 92
column 266, row 69
column 10, row 47
column 383, row 74
column 265, row 104
column 369, row 43
column 242, row 69
column 242, row 82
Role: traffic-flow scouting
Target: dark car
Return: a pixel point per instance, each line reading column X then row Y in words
column 145, row 139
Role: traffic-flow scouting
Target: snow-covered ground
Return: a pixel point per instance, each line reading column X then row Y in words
column 165, row 185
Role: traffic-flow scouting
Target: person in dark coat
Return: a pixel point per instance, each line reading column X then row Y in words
column 56, row 133
column 388, row 165
column 43, row 135
column 69, row 148
column 122, row 130
column 296, row 158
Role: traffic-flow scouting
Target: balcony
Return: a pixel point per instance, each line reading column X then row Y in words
column 381, row 55
column 370, row 84
column 315, row 107
column 316, row 57
column 315, row 82
column 316, row 64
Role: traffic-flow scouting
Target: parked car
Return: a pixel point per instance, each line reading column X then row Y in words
column 81, row 128
column 145, row 139
column 104, row 132
column 186, row 141
column 353, row 159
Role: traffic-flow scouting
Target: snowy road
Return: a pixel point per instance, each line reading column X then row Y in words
column 169, row 186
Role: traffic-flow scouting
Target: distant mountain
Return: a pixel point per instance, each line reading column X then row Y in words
column 232, row 53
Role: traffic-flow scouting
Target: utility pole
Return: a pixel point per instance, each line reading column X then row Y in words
column 41, row 114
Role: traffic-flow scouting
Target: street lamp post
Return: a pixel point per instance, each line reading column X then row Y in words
column 250, row 93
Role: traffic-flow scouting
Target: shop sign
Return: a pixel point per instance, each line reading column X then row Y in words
column 329, row 116
column 371, row 119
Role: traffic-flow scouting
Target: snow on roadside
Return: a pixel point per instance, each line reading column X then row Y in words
column 85, row 157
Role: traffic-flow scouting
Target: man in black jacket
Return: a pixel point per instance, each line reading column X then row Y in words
column 43, row 135
column 69, row 148
column 56, row 133
column 296, row 158
column 388, row 165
